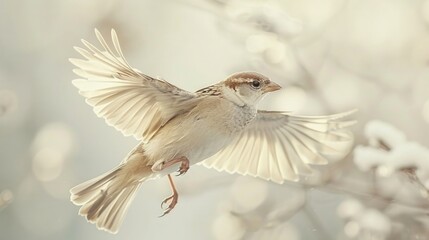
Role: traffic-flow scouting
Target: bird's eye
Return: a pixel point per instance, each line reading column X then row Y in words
column 256, row 84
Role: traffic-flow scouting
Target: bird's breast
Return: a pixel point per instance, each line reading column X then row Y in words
column 243, row 116
column 217, row 131
column 200, row 133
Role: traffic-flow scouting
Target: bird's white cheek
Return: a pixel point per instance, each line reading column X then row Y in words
column 250, row 97
column 244, row 92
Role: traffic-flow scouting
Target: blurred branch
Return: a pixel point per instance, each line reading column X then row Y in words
column 339, row 188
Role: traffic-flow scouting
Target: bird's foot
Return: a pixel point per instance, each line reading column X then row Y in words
column 184, row 167
column 171, row 201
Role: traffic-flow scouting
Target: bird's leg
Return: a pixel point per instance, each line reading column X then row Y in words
column 172, row 199
column 184, row 165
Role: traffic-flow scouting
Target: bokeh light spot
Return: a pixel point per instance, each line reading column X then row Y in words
column 47, row 164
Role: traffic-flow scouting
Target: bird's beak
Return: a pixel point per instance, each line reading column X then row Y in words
column 271, row 87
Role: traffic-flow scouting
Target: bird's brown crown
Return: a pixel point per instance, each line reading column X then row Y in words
column 245, row 77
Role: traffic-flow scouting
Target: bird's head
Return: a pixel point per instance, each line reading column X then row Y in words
column 247, row 88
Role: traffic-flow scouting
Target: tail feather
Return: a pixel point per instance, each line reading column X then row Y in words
column 112, row 217
column 105, row 199
column 85, row 191
column 107, row 210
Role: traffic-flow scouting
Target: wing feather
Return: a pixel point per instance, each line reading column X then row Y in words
column 128, row 100
column 285, row 164
column 279, row 146
column 274, row 171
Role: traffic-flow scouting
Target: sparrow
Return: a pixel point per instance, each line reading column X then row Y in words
column 218, row 126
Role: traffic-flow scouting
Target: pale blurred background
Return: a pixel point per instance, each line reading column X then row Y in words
column 329, row 56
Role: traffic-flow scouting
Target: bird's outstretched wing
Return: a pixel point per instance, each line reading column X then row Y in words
column 132, row 102
column 278, row 146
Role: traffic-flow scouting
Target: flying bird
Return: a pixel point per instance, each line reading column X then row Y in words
column 218, row 126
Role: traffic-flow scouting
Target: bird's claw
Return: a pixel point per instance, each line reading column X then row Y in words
column 173, row 201
column 184, row 167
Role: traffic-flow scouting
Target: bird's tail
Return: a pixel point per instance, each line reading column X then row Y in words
column 106, row 198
